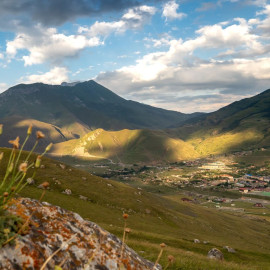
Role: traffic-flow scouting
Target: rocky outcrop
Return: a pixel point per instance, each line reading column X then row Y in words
column 215, row 253
column 74, row 242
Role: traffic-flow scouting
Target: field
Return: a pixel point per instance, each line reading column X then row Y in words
column 155, row 219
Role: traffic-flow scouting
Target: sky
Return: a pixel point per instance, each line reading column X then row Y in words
column 183, row 55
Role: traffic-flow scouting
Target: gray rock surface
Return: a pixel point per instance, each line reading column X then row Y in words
column 82, row 244
column 215, row 253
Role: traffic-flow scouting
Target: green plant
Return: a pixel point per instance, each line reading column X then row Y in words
column 16, row 170
column 13, row 182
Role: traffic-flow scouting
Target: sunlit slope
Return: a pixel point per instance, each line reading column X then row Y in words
column 242, row 125
column 17, row 126
column 128, row 146
column 154, row 219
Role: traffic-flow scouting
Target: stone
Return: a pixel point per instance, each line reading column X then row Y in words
column 147, row 211
column 229, row 249
column 67, row 191
column 206, row 242
column 83, row 244
column 30, row 181
column 216, row 254
column 196, row 241
column 42, row 166
column 62, row 166
column 84, row 178
column 83, row 197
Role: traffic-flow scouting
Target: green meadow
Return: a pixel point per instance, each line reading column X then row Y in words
column 155, row 219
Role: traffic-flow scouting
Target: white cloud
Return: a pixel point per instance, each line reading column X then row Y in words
column 170, row 11
column 1, row 56
column 46, row 44
column 134, row 18
column 3, row 87
column 56, row 75
column 179, row 72
column 264, row 25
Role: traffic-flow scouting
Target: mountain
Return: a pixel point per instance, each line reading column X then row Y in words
column 81, row 107
column 241, row 125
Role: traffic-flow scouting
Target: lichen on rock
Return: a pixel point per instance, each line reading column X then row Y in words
column 82, row 244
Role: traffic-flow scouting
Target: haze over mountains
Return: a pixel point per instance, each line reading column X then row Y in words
column 87, row 119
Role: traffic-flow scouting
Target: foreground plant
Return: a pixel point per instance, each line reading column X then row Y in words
column 14, row 181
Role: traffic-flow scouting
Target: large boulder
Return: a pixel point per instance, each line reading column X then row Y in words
column 215, row 253
column 81, row 244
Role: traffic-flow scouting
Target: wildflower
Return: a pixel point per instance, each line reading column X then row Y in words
column 38, row 161
column 15, row 143
column 40, row 135
column 29, row 130
column 162, row 245
column 6, row 231
column 23, row 167
column 5, row 194
column 45, row 185
column 127, row 230
column 13, row 189
column 48, row 148
column 171, row 260
column 125, row 216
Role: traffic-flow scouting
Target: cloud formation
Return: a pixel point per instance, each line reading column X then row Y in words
column 180, row 72
column 57, row 12
column 170, row 11
column 56, row 75
column 134, row 19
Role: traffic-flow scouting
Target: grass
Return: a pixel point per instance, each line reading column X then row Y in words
column 171, row 221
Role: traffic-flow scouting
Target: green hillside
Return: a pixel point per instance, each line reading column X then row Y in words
column 155, row 219
column 242, row 125
column 127, row 146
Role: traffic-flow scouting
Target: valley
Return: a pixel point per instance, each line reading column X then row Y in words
column 194, row 181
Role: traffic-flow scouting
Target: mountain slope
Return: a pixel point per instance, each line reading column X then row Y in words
column 127, row 146
column 86, row 105
column 241, row 125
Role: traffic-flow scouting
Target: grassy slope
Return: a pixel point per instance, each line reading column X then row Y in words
column 242, row 125
column 128, row 146
column 170, row 221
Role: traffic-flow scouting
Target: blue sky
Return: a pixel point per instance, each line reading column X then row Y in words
column 180, row 55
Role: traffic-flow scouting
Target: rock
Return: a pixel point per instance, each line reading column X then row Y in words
column 196, row 241
column 62, row 166
column 84, row 178
column 109, row 185
column 30, row 181
column 205, row 242
column 67, row 191
column 229, row 249
column 42, row 166
column 83, row 197
column 147, row 211
column 83, row 244
column 215, row 253
column 57, row 182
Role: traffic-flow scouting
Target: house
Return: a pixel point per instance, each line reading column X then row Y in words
column 260, row 205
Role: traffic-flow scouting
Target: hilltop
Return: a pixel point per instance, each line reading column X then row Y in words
column 73, row 110
column 242, row 125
